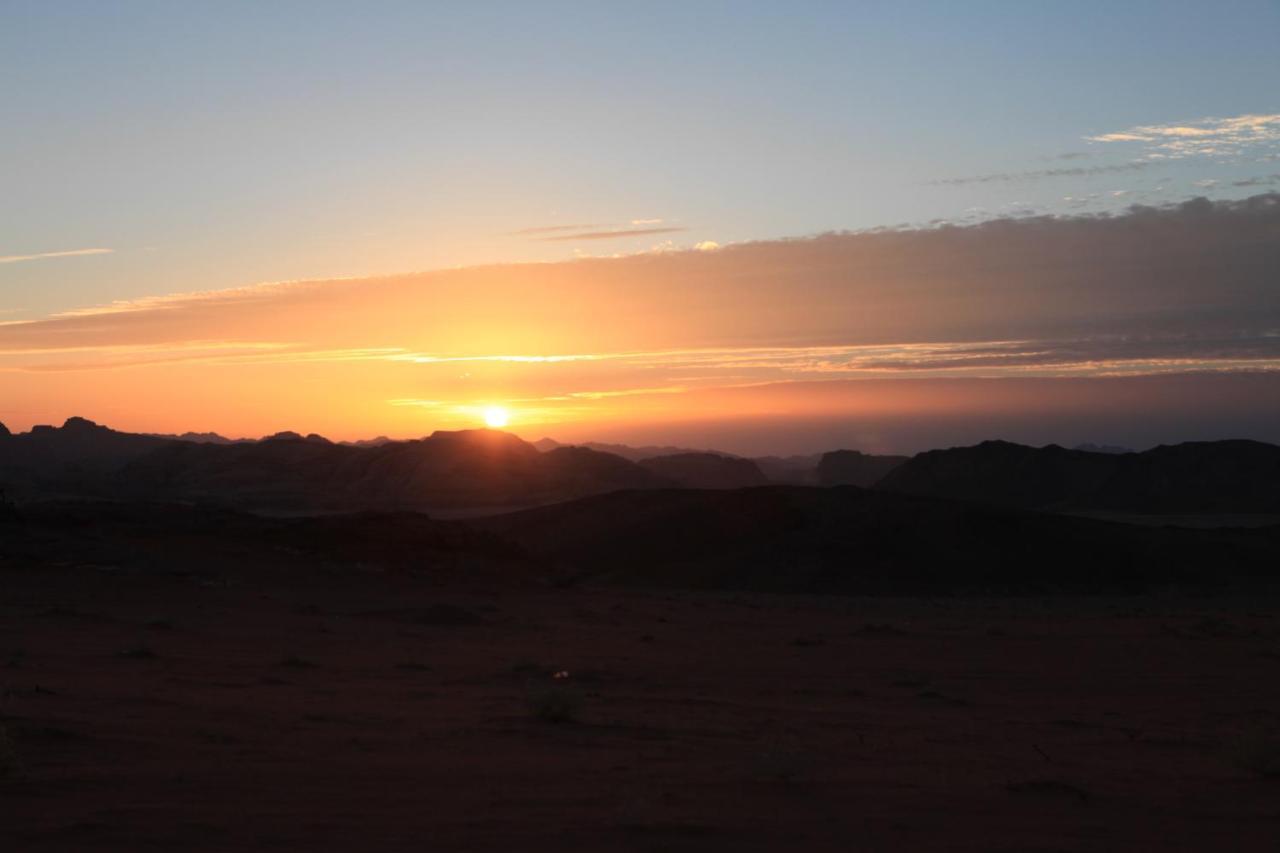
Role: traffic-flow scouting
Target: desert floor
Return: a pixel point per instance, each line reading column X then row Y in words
column 264, row 710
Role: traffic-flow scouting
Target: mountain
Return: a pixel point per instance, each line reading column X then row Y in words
column 708, row 473
column 369, row 442
column 474, row 469
column 1195, row 477
column 74, row 458
column 1089, row 447
column 290, row 435
column 854, row 468
column 790, row 470
column 289, row 471
column 626, row 451
column 1200, row 476
column 705, row 471
column 200, row 438
column 857, row 541
column 468, row 468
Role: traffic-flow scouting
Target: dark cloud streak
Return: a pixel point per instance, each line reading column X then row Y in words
column 1039, row 174
column 1259, row 181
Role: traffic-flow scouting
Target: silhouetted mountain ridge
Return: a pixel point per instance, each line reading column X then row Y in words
column 469, row 468
column 854, row 468
column 626, row 451
column 73, row 458
column 474, row 469
column 705, row 471
column 1234, row 476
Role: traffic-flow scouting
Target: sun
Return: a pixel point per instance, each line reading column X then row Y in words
column 496, row 417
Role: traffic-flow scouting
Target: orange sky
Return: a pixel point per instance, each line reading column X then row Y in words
column 852, row 329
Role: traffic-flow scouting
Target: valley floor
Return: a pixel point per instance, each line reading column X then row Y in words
column 378, row 713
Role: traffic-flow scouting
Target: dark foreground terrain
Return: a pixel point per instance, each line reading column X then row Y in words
column 237, row 692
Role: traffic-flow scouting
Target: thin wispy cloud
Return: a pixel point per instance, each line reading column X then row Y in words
column 42, row 256
column 551, row 229
column 597, row 230
column 1259, row 181
column 1203, row 137
column 1041, row 174
column 612, row 235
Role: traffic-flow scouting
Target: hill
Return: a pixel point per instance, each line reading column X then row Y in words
column 292, row 472
column 854, row 468
column 856, row 541
column 75, row 458
column 1209, row 477
column 468, row 468
column 705, row 471
column 626, row 451
column 790, row 470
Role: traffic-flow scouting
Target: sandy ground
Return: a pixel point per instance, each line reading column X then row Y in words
column 350, row 712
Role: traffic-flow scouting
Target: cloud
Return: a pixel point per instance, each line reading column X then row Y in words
column 551, row 229
column 1259, row 181
column 70, row 253
column 1041, row 174
column 1202, row 137
column 611, row 235
column 1199, row 267
column 599, row 228
column 658, row 337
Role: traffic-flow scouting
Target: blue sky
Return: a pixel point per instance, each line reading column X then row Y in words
column 221, row 144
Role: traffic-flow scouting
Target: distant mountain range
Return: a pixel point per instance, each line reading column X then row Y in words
column 706, row 471
column 289, row 471
column 479, row 469
column 854, row 468
column 626, row 451
column 1194, row 477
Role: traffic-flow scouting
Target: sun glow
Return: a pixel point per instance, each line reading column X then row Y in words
column 496, row 417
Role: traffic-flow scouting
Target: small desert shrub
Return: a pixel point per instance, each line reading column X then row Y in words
column 554, row 702
column 9, row 764
column 1256, row 752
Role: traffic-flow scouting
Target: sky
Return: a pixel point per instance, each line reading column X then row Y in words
column 762, row 227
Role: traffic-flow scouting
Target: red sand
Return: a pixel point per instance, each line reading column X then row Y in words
column 357, row 713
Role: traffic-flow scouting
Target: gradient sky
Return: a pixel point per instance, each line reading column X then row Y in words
column 152, row 150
